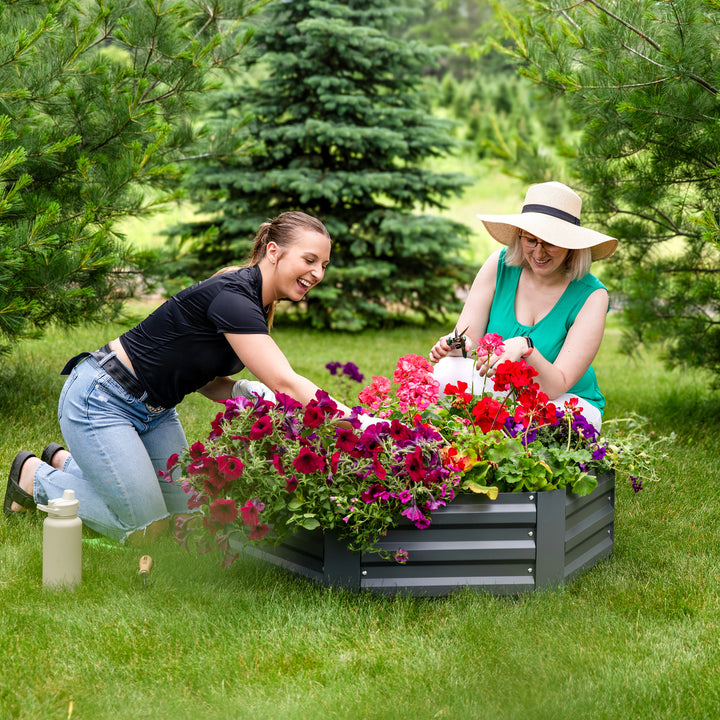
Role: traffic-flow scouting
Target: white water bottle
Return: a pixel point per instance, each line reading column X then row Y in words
column 62, row 542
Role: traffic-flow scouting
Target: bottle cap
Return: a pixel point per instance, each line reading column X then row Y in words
column 64, row 507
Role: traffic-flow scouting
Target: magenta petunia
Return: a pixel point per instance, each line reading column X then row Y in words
column 278, row 464
column 249, row 514
column 258, row 532
column 230, row 467
column 413, row 513
column 405, row 496
column 197, row 450
column 308, row 462
column 346, row 440
column 314, row 416
column 261, row 428
column 224, row 510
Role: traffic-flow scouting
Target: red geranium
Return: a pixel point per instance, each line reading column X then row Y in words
column 515, row 375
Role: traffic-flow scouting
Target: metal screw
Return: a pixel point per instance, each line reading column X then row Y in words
column 530, row 534
column 364, row 572
column 530, row 570
column 532, row 497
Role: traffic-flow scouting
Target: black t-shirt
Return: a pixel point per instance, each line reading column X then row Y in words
column 180, row 347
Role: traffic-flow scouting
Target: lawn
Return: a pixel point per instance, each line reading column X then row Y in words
column 636, row 637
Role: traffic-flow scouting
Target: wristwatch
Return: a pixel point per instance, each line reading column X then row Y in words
column 530, row 346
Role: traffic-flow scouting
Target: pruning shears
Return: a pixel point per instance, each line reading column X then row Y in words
column 457, row 341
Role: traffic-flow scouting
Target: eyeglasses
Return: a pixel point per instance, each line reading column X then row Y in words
column 531, row 242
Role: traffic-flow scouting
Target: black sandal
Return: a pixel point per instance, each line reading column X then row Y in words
column 14, row 493
column 49, row 452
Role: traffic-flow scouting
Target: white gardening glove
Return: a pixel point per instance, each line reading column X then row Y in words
column 251, row 389
column 367, row 420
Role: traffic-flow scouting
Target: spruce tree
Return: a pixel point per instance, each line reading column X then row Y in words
column 344, row 133
column 641, row 80
column 96, row 118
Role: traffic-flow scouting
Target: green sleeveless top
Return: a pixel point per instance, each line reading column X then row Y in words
column 549, row 334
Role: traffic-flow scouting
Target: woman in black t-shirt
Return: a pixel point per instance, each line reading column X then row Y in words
column 117, row 407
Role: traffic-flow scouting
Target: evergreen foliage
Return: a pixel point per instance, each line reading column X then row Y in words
column 641, row 80
column 454, row 23
column 344, row 133
column 505, row 117
column 96, row 102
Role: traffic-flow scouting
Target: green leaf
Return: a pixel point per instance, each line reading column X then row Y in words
column 491, row 492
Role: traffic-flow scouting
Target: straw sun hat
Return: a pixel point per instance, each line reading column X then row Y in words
column 551, row 212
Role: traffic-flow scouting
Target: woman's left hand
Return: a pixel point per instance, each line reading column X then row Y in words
column 514, row 349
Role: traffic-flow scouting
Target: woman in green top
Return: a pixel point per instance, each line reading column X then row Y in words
column 539, row 295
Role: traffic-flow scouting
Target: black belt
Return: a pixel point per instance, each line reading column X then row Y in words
column 109, row 362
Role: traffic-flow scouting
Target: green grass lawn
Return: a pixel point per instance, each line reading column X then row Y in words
column 636, row 637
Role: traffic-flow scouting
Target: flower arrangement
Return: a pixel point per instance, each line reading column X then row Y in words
column 268, row 468
column 288, row 466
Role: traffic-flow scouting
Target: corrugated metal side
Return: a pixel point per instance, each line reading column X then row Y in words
column 303, row 553
column 506, row 546
column 589, row 527
column 473, row 542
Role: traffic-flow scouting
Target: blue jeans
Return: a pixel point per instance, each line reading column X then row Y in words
column 116, row 448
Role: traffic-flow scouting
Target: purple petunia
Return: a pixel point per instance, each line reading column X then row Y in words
column 583, row 427
column 353, row 372
column 333, row 367
column 414, row 514
column 432, row 504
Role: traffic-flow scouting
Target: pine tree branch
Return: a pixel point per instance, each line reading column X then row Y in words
column 695, row 78
column 624, row 23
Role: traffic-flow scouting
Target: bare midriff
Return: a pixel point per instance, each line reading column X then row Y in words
column 117, row 348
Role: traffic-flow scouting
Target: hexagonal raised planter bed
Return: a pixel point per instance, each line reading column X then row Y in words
column 514, row 544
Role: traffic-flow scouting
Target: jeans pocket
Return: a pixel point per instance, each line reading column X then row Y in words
column 113, row 388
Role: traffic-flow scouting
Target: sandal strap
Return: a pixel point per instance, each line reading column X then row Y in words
column 14, row 493
column 49, row 452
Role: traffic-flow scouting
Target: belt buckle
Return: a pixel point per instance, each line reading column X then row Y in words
column 155, row 409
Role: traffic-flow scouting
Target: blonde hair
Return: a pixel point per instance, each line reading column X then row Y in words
column 281, row 230
column 577, row 262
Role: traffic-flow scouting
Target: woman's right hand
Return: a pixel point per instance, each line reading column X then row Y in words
column 443, row 347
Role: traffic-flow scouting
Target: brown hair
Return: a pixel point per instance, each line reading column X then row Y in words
column 281, row 231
